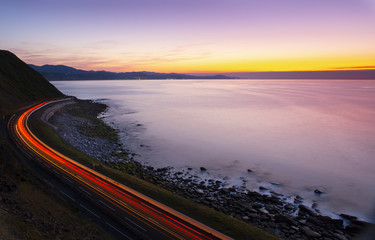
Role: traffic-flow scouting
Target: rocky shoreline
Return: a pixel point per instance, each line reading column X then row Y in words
column 78, row 125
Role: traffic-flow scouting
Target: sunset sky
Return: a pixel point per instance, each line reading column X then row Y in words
column 191, row 35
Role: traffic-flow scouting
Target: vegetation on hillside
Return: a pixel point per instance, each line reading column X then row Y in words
column 29, row 207
column 20, row 84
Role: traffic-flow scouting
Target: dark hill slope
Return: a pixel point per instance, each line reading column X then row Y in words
column 20, row 84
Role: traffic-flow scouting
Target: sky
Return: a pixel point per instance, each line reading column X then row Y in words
column 191, row 36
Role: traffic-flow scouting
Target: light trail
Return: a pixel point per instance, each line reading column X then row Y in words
column 166, row 221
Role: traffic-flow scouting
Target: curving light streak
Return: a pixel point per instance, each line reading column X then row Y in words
column 148, row 211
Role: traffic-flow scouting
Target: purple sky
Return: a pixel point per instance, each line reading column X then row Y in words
column 191, row 36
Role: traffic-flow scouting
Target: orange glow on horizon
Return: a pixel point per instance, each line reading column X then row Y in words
column 222, row 65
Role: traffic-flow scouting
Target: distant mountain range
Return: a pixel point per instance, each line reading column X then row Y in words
column 61, row 72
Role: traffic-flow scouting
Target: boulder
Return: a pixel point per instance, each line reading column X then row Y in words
column 310, row 233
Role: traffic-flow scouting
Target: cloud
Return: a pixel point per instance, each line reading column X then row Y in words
column 111, row 55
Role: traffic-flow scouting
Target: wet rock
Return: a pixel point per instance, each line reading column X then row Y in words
column 276, row 193
column 310, row 233
column 200, row 191
column 257, row 205
column 299, row 198
column 339, row 236
column 356, row 227
column 263, row 210
column 225, row 190
column 286, row 219
column 211, row 199
column 317, row 191
column 289, row 207
column 303, row 210
column 348, row 217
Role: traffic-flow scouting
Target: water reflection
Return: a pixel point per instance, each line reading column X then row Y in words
column 305, row 134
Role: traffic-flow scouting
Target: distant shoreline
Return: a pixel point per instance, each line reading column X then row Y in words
column 65, row 73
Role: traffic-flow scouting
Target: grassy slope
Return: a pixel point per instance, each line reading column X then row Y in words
column 31, row 210
column 20, row 84
column 227, row 225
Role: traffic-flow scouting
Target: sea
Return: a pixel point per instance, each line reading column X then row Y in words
column 288, row 136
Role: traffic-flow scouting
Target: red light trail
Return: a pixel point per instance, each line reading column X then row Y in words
column 169, row 223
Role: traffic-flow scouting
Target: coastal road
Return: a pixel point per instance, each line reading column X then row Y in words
column 146, row 218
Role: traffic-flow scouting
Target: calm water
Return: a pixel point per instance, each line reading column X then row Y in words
column 302, row 134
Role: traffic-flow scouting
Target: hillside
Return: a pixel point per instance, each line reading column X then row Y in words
column 20, row 84
column 29, row 208
column 61, row 72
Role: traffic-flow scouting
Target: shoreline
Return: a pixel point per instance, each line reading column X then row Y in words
column 268, row 212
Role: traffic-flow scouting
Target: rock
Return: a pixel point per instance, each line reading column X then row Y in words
column 317, row 191
column 310, row 233
column 340, row 236
column 357, row 226
column 224, row 190
column 257, row 205
column 348, row 217
column 263, row 188
column 263, row 210
column 189, row 168
column 249, row 170
column 200, row 191
column 286, row 219
column 276, row 193
column 304, row 210
column 245, row 218
column 298, row 197
column 211, row 199
column 203, row 169
column 289, row 207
